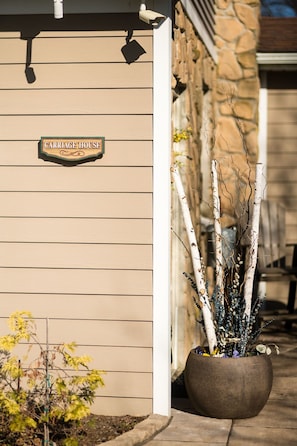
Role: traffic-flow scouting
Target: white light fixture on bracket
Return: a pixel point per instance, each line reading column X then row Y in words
column 148, row 16
column 58, row 9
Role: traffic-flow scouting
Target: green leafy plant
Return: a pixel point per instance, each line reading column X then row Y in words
column 45, row 398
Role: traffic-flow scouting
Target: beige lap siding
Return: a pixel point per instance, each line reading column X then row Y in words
column 76, row 242
column 282, row 155
column 282, row 145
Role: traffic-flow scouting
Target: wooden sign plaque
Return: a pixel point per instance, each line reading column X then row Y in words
column 71, row 150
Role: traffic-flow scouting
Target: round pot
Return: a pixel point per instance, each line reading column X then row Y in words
column 228, row 387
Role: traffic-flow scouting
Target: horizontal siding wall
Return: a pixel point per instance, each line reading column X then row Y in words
column 282, row 145
column 76, row 242
column 282, row 159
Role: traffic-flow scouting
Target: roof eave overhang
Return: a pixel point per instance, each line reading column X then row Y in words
column 277, row 60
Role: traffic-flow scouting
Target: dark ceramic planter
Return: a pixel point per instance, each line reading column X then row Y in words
column 228, row 387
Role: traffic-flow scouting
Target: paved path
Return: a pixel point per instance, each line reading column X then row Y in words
column 276, row 425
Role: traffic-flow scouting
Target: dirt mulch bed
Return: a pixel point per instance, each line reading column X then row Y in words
column 91, row 431
column 97, row 429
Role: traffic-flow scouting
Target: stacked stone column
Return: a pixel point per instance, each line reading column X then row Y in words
column 236, row 103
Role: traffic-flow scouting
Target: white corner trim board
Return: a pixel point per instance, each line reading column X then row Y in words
column 161, row 212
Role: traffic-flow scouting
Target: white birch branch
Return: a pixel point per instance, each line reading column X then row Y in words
column 196, row 260
column 217, row 231
column 253, row 252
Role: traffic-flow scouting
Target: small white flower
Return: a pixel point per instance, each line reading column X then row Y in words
column 268, row 351
column 261, row 348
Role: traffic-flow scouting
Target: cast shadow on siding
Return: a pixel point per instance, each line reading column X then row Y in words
column 30, row 26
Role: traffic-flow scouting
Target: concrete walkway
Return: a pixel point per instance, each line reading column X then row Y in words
column 276, row 425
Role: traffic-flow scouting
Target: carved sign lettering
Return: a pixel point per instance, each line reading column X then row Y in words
column 71, row 150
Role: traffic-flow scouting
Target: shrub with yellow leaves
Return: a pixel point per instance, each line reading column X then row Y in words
column 46, row 398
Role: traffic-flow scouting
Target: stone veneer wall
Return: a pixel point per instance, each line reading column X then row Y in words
column 236, row 103
column 219, row 103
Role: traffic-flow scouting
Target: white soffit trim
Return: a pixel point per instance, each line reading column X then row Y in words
column 198, row 24
column 276, row 59
column 161, row 212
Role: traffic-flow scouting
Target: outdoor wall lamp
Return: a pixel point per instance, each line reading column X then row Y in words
column 148, row 16
column 58, row 9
